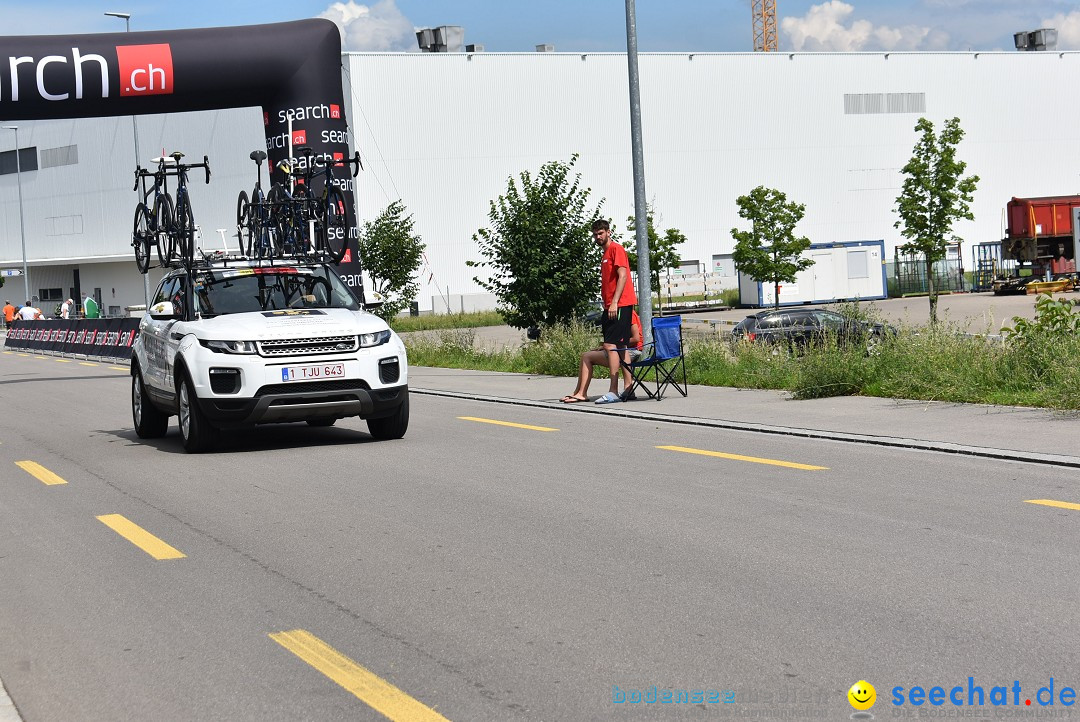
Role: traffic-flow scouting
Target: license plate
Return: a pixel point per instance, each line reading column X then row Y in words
column 312, row 372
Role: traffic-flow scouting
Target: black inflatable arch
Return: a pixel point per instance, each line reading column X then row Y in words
column 291, row 70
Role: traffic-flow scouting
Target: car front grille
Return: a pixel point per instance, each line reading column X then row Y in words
column 308, row 346
column 302, row 387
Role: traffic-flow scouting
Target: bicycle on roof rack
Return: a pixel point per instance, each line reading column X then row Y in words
column 176, row 223
column 255, row 230
column 152, row 221
column 326, row 214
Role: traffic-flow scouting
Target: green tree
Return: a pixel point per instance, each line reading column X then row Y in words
column 935, row 195
column 542, row 261
column 391, row 253
column 769, row 251
column 662, row 253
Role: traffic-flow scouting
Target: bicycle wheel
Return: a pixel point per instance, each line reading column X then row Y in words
column 140, row 237
column 280, row 221
column 335, row 230
column 185, row 231
column 163, row 233
column 243, row 220
column 306, row 212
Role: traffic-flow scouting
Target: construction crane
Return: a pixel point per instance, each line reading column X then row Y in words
column 764, row 12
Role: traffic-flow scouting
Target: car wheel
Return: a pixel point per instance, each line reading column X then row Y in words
column 873, row 344
column 150, row 421
column 321, row 422
column 195, row 430
column 393, row 426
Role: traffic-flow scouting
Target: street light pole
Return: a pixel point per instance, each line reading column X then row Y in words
column 126, row 17
column 641, row 223
column 22, row 222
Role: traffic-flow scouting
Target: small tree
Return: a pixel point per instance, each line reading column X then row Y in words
column 934, row 196
column 662, row 253
column 769, row 251
column 391, row 253
column 543, row 262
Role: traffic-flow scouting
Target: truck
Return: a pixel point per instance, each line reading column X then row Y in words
column 1041, row 234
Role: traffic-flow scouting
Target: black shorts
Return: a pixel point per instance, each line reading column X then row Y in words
column 617, row 330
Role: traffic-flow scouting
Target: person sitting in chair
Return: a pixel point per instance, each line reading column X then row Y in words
column 599, row 357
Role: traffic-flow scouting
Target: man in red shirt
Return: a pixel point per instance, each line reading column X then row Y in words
column 617, row 294
column 9, row 313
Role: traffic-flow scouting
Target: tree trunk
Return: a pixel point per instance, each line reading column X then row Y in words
column 931, row 290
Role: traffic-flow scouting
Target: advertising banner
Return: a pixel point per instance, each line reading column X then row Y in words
column 292, row 71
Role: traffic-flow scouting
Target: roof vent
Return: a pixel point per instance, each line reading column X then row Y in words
column 545, row 48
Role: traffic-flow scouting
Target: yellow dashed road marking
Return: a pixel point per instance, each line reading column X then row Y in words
column 39, row 472
column 1051, row 502
column 86, row 363
column 373, row 691
column 506, row 423
column 140, row 537
column 740, row 457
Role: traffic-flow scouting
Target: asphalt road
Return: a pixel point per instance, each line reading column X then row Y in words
column 485, row 571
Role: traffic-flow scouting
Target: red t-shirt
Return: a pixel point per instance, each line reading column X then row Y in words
column 635, row 321
column 615, row 256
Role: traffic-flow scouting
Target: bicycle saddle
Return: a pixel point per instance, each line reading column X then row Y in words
column 257, row 155
column 176, row 155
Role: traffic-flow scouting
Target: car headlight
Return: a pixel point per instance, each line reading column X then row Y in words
column 367, row 340
column 230, row 346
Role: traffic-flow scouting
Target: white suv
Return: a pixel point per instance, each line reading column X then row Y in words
column 235, row 344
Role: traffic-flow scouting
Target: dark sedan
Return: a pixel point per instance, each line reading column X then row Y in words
column 797, row 328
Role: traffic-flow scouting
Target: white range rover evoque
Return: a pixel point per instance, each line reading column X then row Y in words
column 240, row 343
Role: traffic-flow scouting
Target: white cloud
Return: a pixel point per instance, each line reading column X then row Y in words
column 828, row 27
column 378, row 27
column 1068, row 27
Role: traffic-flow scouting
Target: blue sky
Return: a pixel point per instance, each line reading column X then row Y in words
column 591, row 25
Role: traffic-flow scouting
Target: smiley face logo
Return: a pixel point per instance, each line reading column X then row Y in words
column 862, row 695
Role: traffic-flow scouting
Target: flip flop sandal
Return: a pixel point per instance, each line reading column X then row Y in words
column 568, row 399
column 608, row 398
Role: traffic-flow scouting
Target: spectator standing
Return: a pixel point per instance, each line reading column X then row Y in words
column 29, row 313
column 90, row 307
column 617, row 294
column 65, row 309
column 9, row 314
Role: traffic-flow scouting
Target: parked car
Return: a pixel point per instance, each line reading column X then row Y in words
column 592, row 317
column 797, row 328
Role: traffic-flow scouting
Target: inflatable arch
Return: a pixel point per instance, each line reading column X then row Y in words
column 291, row 70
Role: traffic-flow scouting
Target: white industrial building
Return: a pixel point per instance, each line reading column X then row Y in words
column 444, row 131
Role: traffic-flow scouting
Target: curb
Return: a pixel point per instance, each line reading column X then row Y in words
column 1058, row 460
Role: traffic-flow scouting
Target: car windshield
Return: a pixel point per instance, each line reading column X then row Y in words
column 222, row 291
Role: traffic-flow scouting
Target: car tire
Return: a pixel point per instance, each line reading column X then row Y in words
column 321, row 422
column 150, row 421
column 195, row 430
column 873, row 343
column 393, row 426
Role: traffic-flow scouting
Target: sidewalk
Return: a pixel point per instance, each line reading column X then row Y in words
column 1003, row 432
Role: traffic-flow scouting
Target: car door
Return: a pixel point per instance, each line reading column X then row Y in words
column 154, row 333
column 832, row 325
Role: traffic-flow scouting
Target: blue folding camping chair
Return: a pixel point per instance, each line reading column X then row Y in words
column 665, row 364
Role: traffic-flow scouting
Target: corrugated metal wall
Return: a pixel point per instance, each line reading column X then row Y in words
column 443, row 132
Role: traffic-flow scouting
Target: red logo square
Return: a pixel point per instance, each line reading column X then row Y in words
column 335, row 111
column 145, row 69
column 299, row 137
column 338, row 157
column 266, row 118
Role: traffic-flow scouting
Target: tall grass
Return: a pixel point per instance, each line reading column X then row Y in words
column 435, row 322
column 937, row 364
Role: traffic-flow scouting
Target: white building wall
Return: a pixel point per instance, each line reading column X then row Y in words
column 444, row 132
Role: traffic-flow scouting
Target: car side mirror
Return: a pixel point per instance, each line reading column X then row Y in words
column 163, row 311
column 373, row 300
